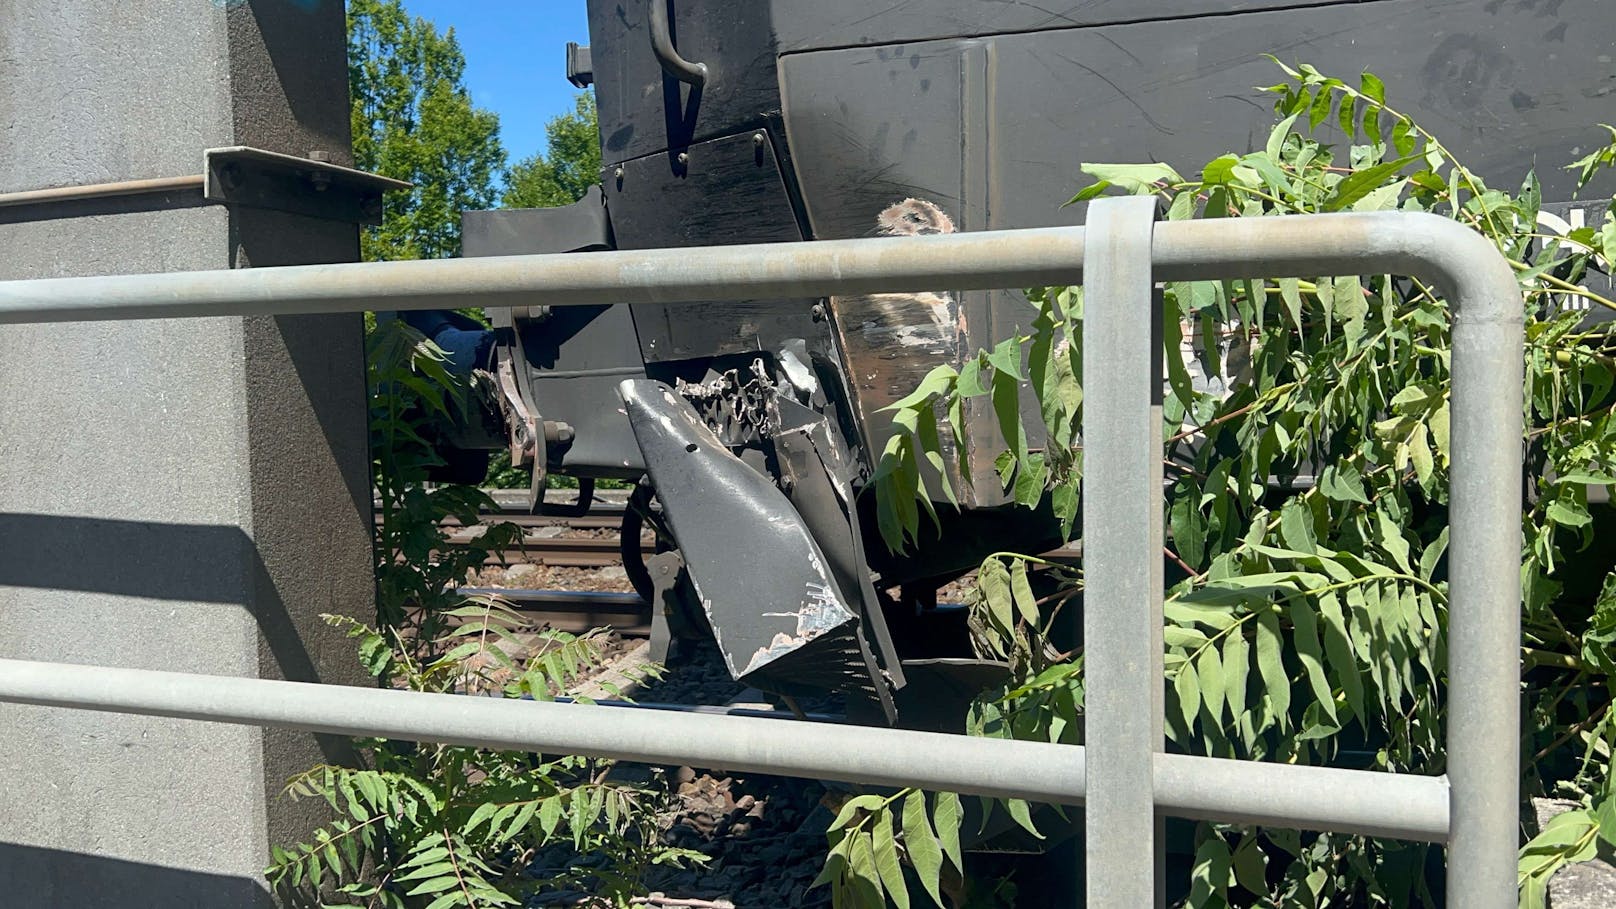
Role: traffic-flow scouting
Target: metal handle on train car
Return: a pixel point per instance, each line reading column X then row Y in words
column 662, row 45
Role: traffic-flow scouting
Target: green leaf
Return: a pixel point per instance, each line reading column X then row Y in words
column 1063, row 500
column 436, row 870
column 1346, row 117
column 1343, row 483
column 1006, row 358
column 1021, row 590
column 1372, row 88
column 1092, row 191
column 1209, row 875
column 1219, row 170
column 1290, row 292
column 1187, row 523
column 1296, row 527
column 1306, row 635
column 1357, row 184
column 970, row 378
column 993, row 581
column 478, row 817
column 1136, row 179
column 1403, row 139
column 1007, row 408
column 1319, row 110
column 549, row 816
column 866, row 878
column 1188, row 688
column 1276, row 137
column 1338, row 647
column 1390, row 537
column 852, row 806
column 1186, row 613
column 1021, row 813
column 939, row 381
column 1236, row 668
column 1604, row 815
column 1419, row 450
column 1270, row 666
column 435, row 885
column 921, row 844
column 886, row 860
column 1433, row 554
column 1249, row 868
column 1178, row 638
column 947, row 816
column 1209, row 671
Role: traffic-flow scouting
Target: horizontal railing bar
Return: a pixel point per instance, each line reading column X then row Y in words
column 759, row 271
column 1365, row 802
column 1204, row 788
column 851, row 754
column 1351, row 243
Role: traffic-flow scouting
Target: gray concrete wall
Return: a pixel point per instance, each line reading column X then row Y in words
column 173, row 494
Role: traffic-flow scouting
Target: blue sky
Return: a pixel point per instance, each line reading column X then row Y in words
column 515, row 59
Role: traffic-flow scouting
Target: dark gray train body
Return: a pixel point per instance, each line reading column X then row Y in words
column 810, row 119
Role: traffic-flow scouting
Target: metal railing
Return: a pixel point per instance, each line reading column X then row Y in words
column 1123, row 776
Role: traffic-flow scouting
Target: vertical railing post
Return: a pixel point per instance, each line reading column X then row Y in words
column 1122, row 554
column 1484, row 593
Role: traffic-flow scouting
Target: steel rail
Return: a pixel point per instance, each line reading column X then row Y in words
column 1487, row 366
column 1306, row 797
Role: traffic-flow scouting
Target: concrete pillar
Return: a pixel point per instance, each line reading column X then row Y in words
column 184, row 495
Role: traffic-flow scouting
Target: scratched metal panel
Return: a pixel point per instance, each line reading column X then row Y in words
column 993, row 129
column 873, row 126
column 849, row 23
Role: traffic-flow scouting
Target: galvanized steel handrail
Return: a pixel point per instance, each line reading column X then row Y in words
column 1123, row 704
column 893, row 757
column 1480, row 789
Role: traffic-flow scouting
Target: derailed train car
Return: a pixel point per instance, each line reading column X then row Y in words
column 753, row 428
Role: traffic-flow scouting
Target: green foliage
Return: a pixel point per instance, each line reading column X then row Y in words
column 571, row 164
column 414, row 120
column 872, row 838
column 411, row 392
column 444, row 826
column 1309, row 626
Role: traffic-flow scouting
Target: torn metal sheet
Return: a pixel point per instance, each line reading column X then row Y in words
column 776, row 608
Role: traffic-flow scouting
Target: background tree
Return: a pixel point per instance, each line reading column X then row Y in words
column 414, row 120
column 561, row 175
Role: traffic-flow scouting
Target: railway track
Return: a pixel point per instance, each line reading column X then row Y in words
column 574, row 611
column 547, row 538
column 574, row 552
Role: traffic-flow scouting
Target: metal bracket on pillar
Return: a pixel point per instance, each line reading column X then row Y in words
column 1122, row 546
column 253, row 177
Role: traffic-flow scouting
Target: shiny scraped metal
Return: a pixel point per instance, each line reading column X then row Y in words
column 777, row 611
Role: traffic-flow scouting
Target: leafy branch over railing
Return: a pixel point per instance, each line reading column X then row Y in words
column 1306, row 441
